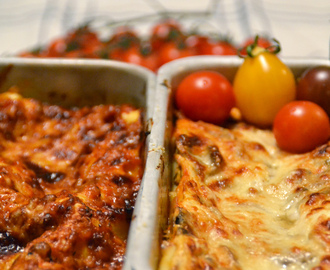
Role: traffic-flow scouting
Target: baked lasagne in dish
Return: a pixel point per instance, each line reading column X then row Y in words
column 68, row 183
column 239, row 202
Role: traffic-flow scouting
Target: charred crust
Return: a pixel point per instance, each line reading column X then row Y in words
column 313, row 198
column 316, row 210
column 55, row 112
column 222, row 233
column 189, row 141
column 221, row 184
column 300, row 189
column 121, row 180
column 43, row 174
column 326, row 260
column 326, row 224
column 9, row 244
column 322, row 151
column 257, row 146
column 179, row 219
column 216, row 157
column 253, row 191
column 297, row 175
column 43, row 249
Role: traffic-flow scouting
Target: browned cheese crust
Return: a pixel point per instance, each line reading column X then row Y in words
column 68, row 183
column 238, row 202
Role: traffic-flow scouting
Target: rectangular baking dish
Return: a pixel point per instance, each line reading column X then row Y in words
column 145, row 240
column 79, row 83
column 82, row 83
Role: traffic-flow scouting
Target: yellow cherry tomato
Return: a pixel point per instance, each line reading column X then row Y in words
column 262, row 85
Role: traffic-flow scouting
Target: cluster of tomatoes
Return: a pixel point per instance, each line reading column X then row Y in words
column 267, row 95
column 167, row 41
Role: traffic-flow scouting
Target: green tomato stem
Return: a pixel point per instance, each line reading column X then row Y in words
column 253, row 50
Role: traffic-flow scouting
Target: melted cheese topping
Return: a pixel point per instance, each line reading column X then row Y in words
column 238, row 202
column 68, row 183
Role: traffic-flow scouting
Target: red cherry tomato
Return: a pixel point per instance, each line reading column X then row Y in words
column 83, row 39
column 163, row 32
column 196, row 42
column 118, row 52
column 123, row 39
column 171, row 51
column 124, row 36
column 218, row 48
column 314, row 85
column 206, row 96
column 57, row 48
column 300, row 126
column 135, row 55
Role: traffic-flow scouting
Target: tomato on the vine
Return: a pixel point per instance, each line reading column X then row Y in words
column 79, row 43
column 137, row 55
column 218, row 48
column 123, row 39
column 57, row 48
column 206, row 96
column 300, row 126
column 165, row 31
column 116, row 53
column 172, row 51
column 314, row 85
column 124, row 36
column 196, row 42
column 263, row 84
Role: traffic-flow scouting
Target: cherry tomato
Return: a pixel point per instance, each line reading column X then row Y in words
column 171, row 51
column 314, row 85
column 218, row 48
column 83, row 39
column 263, row 84
column 117, row 52
column 124, row 36
column 57, row 48
column 263, row 42
column 300, row 126
column 196, row 42
column 137, row 56
column 206, row 96
column 163, row 32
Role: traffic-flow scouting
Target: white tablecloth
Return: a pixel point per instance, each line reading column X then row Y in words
column 302, row 26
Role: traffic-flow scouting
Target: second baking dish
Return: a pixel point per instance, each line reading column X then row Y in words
column 185, row 245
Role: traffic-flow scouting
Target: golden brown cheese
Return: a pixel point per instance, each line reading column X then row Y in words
column 238, row 202
column 68, row 183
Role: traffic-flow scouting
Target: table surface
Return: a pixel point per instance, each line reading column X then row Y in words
column 302, row 26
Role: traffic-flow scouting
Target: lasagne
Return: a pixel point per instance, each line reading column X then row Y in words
column 68, row 183
column 239, row 202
